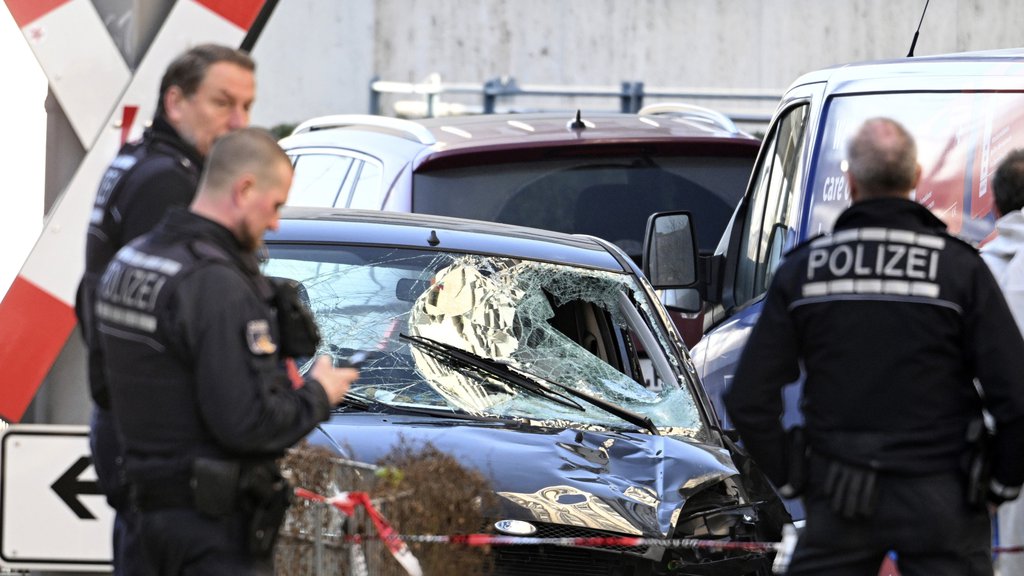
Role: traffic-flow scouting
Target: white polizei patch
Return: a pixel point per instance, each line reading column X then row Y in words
column 138, row 259
column 902, row 236
column 821, row 242
column 925, row 289
column 844, row 286
column 868, row 286
column 844, row 236
column 897, row 287
column 933, row 242
column 126, row 317
column 874, row 234
column 812, row 289
column 880, row 235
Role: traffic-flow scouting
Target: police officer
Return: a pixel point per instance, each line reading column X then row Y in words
column 890, row 320
column 205, row 92
column 191, row 347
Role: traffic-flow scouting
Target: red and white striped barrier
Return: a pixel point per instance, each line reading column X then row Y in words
column 86, row 72
column 37, row 313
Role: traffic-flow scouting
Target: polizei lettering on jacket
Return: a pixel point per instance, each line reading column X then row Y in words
column 130, row 287
column 874, row 261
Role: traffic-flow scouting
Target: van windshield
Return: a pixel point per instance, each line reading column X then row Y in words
column 961, row 138
column 608, row 197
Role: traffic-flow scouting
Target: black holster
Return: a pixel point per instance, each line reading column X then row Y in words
column 979, row 463
column 852, row 490
column 299, row 333
column 215, row 486
column 266, row 496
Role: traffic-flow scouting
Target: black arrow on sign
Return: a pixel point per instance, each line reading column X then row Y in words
column 69, row 488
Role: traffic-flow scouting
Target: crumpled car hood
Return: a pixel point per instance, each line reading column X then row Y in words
column 630, row 483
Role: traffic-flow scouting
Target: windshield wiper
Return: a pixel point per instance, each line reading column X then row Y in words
column 490, row 366
column 626, row 414
column 361, row 403
column 508, row 372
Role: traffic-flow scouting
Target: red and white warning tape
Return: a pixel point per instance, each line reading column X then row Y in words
column 347, row 502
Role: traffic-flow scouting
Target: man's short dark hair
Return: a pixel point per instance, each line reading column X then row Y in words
column 188, row 70
column 249, row 149
column 1008, row 183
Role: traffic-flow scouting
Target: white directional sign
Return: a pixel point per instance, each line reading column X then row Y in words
column 53, row 515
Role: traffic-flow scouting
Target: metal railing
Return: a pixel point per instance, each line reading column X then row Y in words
column 498, row 95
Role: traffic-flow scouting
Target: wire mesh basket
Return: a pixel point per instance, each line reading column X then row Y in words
column 420, row 491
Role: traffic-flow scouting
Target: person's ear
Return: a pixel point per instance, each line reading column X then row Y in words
column 243, row 188
column 917, row 177
column 173, row 98
column 851, row 185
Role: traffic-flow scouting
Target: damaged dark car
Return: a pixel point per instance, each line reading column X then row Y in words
column 544, row 361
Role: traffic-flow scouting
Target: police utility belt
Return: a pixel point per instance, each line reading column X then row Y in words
column 219, row 488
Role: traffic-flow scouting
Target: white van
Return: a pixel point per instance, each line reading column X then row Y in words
column 966, row 112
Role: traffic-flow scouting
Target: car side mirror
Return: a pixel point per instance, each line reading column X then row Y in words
column 670, row 250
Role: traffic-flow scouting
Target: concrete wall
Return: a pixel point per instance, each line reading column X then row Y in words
column 314, row 57
column 318, row 56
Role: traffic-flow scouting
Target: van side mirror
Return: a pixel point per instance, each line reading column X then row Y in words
column 670, row 250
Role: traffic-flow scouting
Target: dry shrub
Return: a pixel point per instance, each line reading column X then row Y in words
column 434, row 494
column 419, row 490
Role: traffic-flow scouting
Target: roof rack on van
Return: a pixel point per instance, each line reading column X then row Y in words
column 682, row 110
column 417, row 131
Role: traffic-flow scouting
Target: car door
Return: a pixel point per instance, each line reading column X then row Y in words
column 764, row 226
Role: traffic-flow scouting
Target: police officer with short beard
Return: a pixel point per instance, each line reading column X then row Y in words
column 890, row 320
column 205, row 92
column 193, row 347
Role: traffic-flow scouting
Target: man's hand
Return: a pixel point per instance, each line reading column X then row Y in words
column 335, row 381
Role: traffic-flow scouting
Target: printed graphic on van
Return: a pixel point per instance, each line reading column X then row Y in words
column 961, row 138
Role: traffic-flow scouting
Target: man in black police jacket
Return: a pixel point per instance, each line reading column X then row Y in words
column 891, row 320
column 192, row 353
column 205, row 92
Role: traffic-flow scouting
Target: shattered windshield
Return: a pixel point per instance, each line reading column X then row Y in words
column 555, row 325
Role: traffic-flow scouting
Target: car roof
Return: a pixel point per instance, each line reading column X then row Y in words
column 438, row 139
column 900, row 72
column 425, row 231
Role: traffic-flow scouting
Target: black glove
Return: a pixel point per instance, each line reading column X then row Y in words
column 851, row 490
column 796, row 463
column 998, row 493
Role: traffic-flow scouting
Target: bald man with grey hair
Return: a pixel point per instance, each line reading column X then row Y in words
column 882, row 161
column 197, row 369
column 889, row 321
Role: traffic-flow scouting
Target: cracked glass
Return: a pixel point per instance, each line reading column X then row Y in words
column 554, row 325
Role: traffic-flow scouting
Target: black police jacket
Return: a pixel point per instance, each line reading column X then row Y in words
column 891, row 319
column 190, row 343
column 147, row 178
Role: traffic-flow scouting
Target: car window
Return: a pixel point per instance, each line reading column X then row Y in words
column 961, row 137
column 560, row 325
column 368, row 192
column 608, row 197
column 319, row 180
column 767, row 227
